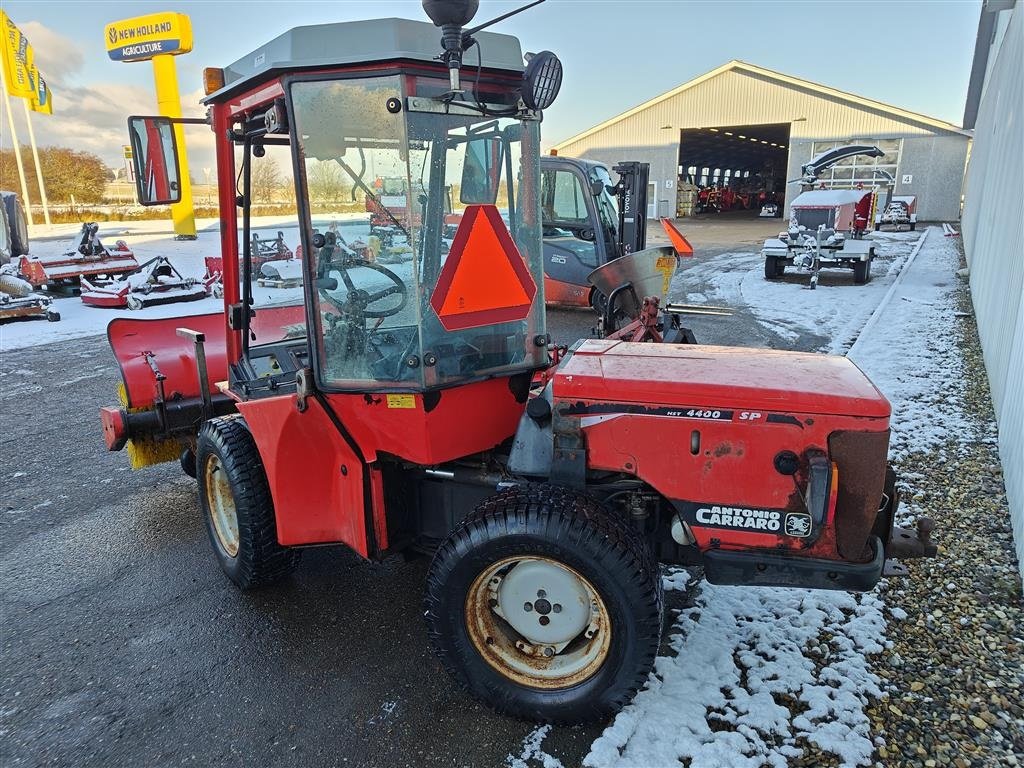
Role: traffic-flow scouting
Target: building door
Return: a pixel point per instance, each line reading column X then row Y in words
column 652, row 200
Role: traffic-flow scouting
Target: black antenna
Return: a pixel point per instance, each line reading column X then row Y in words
column 474, row 30
column 451, row 16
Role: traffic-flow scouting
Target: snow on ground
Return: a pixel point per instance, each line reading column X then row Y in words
column 835, row 311
column 754, row 671
column 755, row 674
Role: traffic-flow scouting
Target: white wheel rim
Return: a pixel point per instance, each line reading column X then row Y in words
column 221, row 503
column 538, row 622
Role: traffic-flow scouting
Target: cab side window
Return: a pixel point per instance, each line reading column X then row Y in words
column 566, row 218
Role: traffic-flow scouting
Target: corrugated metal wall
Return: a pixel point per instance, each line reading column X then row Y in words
column 993, row 232
column 739, row 97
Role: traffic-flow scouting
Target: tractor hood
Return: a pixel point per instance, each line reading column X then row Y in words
column 717, row 378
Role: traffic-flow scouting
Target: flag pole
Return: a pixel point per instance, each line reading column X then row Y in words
column 17, row 149
column 35, row 157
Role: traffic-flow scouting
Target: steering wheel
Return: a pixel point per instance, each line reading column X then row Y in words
column 357, row 299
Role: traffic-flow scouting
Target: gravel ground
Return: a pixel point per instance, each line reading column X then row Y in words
column 954, row 678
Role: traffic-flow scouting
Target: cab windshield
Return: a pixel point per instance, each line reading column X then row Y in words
column 436, row 277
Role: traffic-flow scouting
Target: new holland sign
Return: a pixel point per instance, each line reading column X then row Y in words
column 144, row 37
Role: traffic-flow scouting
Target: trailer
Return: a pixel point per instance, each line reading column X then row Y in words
column 419, row 406
column 827, row 226
column 899, row 211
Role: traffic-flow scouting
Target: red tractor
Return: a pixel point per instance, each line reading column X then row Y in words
column 415, row 407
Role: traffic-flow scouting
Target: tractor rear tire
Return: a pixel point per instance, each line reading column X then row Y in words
column 862, row 271
column 17, row 223
column 237, row 507
column 589, row 559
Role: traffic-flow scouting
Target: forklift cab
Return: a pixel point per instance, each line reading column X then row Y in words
column 588, row 221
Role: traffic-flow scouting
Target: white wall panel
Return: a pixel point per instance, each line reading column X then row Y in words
column 993, row 232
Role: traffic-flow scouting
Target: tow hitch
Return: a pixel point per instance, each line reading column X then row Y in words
column 905, row 544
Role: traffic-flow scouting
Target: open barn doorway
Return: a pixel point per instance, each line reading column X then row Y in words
column 734, row 169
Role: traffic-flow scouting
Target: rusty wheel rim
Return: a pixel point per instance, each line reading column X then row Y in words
column 538, row 622
column 221, row 503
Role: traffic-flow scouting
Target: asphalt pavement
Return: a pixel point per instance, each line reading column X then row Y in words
column 124, row 645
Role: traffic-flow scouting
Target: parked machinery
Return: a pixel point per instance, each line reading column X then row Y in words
column 154, row 283
column 899, row 211
column 18, row 298
column 87, row 257
column 415, row 407
column 826, row 226
column 589, row 220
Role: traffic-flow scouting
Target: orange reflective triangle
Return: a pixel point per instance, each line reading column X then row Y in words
column 484, row 279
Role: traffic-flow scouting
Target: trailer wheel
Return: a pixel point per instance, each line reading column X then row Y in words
column 237, row 507
column 773, row 267
column 546, row 606
column 913, row 226
column 861, row 271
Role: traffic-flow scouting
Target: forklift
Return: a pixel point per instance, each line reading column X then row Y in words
column 418, row 408
column 588, row 220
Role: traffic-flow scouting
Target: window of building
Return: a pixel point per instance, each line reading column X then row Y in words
column 859, row 169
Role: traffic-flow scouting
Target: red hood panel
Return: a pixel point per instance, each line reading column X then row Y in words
column 700, row 376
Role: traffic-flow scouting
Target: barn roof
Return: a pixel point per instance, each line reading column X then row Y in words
column 785, row 80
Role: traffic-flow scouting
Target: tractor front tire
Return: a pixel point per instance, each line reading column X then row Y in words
column 546, row 606
column 773, row 267
column 237, row 506
column 862, row 271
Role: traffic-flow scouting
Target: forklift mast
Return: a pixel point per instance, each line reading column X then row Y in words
column 631, row 191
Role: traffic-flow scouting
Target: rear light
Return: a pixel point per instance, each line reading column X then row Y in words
column 213, row 79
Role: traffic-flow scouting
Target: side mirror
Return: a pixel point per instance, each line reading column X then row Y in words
column 596, row 188
column 481, row 171
column 155, row 157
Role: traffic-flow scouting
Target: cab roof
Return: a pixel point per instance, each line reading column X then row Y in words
column 362, row 42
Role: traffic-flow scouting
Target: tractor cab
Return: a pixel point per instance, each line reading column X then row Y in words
column 451, row 294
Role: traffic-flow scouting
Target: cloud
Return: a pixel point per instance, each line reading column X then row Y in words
column 59, row 58
column 93, row 117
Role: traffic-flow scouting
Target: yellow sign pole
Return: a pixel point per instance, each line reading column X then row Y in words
column 161, row 37
column 168, row 104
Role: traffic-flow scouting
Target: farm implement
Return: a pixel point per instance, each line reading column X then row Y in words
column 18, row 298
column 417, row 407
column 88, row 257
column 155, row 282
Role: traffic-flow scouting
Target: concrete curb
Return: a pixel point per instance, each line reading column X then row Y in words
column 876, row 315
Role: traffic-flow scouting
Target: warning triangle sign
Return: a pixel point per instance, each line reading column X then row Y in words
column 484, row 279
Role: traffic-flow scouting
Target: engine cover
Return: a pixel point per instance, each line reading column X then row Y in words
column 754, row 448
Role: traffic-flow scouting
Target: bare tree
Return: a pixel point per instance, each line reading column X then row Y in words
column 326, row 182
column 266, row 179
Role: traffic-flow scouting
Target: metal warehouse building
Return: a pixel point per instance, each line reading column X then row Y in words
column 748, row 127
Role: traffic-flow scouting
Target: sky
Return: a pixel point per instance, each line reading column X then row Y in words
column 914, row 54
